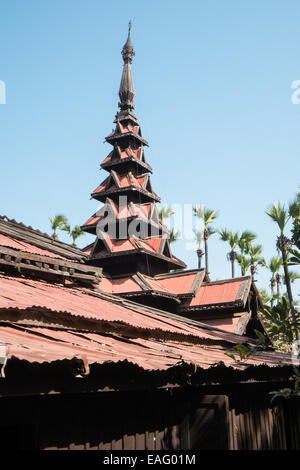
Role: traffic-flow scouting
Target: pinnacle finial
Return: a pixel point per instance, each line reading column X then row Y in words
column 128, row 51
column 126, row 91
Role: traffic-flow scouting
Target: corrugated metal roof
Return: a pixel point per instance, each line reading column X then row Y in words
column 48, row 345
column 22, row 294
column 159, row 340
column 11, row 242
column 221, row 292
column 179, row 284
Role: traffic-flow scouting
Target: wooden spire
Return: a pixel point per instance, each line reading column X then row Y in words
column 126, row 92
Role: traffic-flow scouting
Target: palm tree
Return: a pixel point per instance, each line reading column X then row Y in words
column 293, row 276
column 244, row 244
column 294, row 212
column 67, row 228
column 256, row 258
column 199, row 238
column 207, row 216
column 233, row 239
column 264, row 296
column 58, row 221
column 244, row 263
column 164, row 212
column 279, row 215
column 75, row 233
column 173, row 236
column 275, row 265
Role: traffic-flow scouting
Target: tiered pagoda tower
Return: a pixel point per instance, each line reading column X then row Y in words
column 130, row 237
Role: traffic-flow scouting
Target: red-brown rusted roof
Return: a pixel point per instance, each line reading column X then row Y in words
column 221, row 292
column 43, row 322
column 181, row 283
column 117, row 182
column 22, row 294
column 27, row 247
column 121, row 212
column 36, row 344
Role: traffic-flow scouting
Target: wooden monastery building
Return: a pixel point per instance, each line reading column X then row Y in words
column 118, row 346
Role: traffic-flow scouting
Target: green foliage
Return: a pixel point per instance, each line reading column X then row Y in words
column 58, row 221
column 295, row 258
column 231, row 237
column 275, row 264
column 264, row 296
column 279, row 215
column 67, row 228
column 61, row 222
column 164, row 212
column 293, row 276
column 76, row 232
column 246, row 351
column 255, row 256
column 289, row 392
column 294, row 212
column 199, row 237
column 244, row 262
column 206, row 214
column 173, row 236
column 279, row 321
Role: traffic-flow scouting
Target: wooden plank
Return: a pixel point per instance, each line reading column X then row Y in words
column 128, row 442
column 257, row 429
column 175, row 436
column 62, row 274
column 184, row 432
column 19, row 254
column 140, row 441
column 150, row 443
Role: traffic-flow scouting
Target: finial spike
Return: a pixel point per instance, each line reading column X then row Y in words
column 126, row 91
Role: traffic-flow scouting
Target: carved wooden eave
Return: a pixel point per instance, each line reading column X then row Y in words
column 41, row 240
column 48, row 268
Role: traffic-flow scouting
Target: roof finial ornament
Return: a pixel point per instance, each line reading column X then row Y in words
column 127, row 51
column 126, row 91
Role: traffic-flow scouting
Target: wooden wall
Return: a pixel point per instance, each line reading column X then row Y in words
column 178, row 419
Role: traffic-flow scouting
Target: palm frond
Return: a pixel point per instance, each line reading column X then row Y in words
column 164, row 212
column 248, row 236
column 173, row 236
column 233, row 240
column 244, row 262
column 275, row 264
column 224, row 234
column 205, row 213
column 293, row 276
column 199, row 237
column 58, row 221
column 210, row 230
column 279, row 215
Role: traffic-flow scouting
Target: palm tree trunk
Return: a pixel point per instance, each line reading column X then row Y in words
column 272, row 290
column 200, row 254
column 242, row 269
column 278, row 286
column 232, row 259
column 206, row 250
column 289, row 290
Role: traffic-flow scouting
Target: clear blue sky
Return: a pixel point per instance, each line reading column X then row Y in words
column 213, row 96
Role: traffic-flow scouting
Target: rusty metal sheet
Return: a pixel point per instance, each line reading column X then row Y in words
column 48, row 345
column 27, row 293
column 11, row 242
